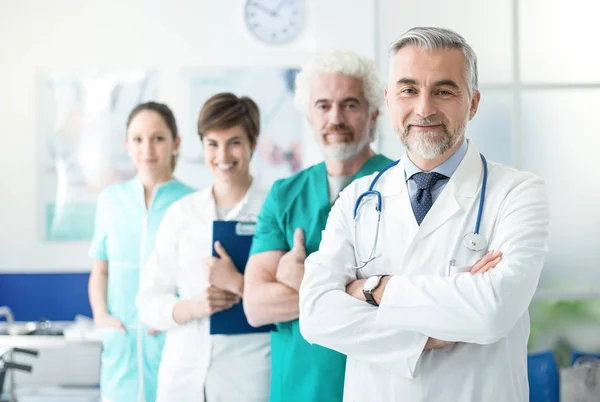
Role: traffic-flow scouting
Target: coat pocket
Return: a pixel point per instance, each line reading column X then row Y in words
column 464, row 260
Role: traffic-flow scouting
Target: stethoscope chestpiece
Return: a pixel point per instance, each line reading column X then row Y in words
column 474, row 241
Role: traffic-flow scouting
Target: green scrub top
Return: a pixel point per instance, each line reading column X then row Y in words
column 301, row 372
column 124, row 236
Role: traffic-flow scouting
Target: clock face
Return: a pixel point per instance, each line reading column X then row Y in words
column 274, row 21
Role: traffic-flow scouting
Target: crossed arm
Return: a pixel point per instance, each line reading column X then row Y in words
column 272, row 282
column 467, row 308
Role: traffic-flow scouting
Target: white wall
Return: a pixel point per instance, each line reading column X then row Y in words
column 538, row 84
column 168, row 36
column 538, row 75
column 486, row 25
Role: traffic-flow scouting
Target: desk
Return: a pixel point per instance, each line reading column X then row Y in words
column 61, row 361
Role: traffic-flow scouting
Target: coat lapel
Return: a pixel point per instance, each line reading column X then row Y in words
column 464, row 184
column 239, row 211
column 207, row 208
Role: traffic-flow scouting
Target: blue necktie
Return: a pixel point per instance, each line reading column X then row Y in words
column 422, row 200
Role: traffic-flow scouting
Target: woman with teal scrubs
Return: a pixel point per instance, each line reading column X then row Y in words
column 127, row 218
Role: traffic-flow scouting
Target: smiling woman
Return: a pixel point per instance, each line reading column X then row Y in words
column 183, row 285
column 229, row 127
column 127, row 218
column 152, row 140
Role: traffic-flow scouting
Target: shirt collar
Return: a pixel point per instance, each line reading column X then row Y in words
column 447, row 168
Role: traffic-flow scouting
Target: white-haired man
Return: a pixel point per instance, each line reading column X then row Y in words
column 340, row 96
column 432, row 321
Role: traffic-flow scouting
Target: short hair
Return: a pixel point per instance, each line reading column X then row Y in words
column 338, row 62
column 225, row 110
column 430, row 38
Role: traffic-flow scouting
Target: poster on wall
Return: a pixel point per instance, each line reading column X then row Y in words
column 82, row 117
column 278, row 152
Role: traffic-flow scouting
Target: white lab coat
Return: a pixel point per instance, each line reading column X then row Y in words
column 428, row 296
column 237, row 367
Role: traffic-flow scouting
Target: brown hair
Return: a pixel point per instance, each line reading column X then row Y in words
column 225, row 110
column 163, row 111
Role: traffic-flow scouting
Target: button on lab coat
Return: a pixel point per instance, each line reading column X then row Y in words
column 175, row 271
column 430, row 293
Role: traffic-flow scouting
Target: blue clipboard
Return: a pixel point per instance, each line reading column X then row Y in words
column 236, row 238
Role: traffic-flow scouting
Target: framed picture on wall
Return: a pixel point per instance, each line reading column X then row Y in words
column 82, row 119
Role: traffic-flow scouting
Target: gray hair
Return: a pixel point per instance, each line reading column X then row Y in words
column 338, row 62
column 430, row 38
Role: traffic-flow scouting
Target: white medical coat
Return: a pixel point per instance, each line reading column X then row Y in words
column 175, row 271
column 431, row 293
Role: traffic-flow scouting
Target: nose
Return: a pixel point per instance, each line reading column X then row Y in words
column 336, row 115
column 425, row 105
column 222, row 154
column 148, row 148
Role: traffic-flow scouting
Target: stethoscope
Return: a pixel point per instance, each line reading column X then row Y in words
column 473, row 241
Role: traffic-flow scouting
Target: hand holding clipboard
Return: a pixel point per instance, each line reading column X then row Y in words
column 222, row 272
column 235, row 238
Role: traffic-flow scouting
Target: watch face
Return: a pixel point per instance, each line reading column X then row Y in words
column 371, row 282
column 274, row 21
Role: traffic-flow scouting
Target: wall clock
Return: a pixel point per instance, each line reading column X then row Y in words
column 274, row 21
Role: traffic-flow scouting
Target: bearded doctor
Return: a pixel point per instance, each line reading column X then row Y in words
column 425, row 270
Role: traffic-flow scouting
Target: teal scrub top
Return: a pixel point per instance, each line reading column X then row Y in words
column 301, row 372
column 124, row 236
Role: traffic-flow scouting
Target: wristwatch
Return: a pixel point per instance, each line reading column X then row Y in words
column 369, row 287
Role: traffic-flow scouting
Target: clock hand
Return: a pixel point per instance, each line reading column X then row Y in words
column 276, row 10
column 265, row 9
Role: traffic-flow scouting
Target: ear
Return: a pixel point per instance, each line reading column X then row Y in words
column 308, row 119
column 374, row 116
column 385, row 96
column 474, row 104
column 176, row 143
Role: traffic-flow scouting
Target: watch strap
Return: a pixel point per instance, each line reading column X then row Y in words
column 369, row 296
